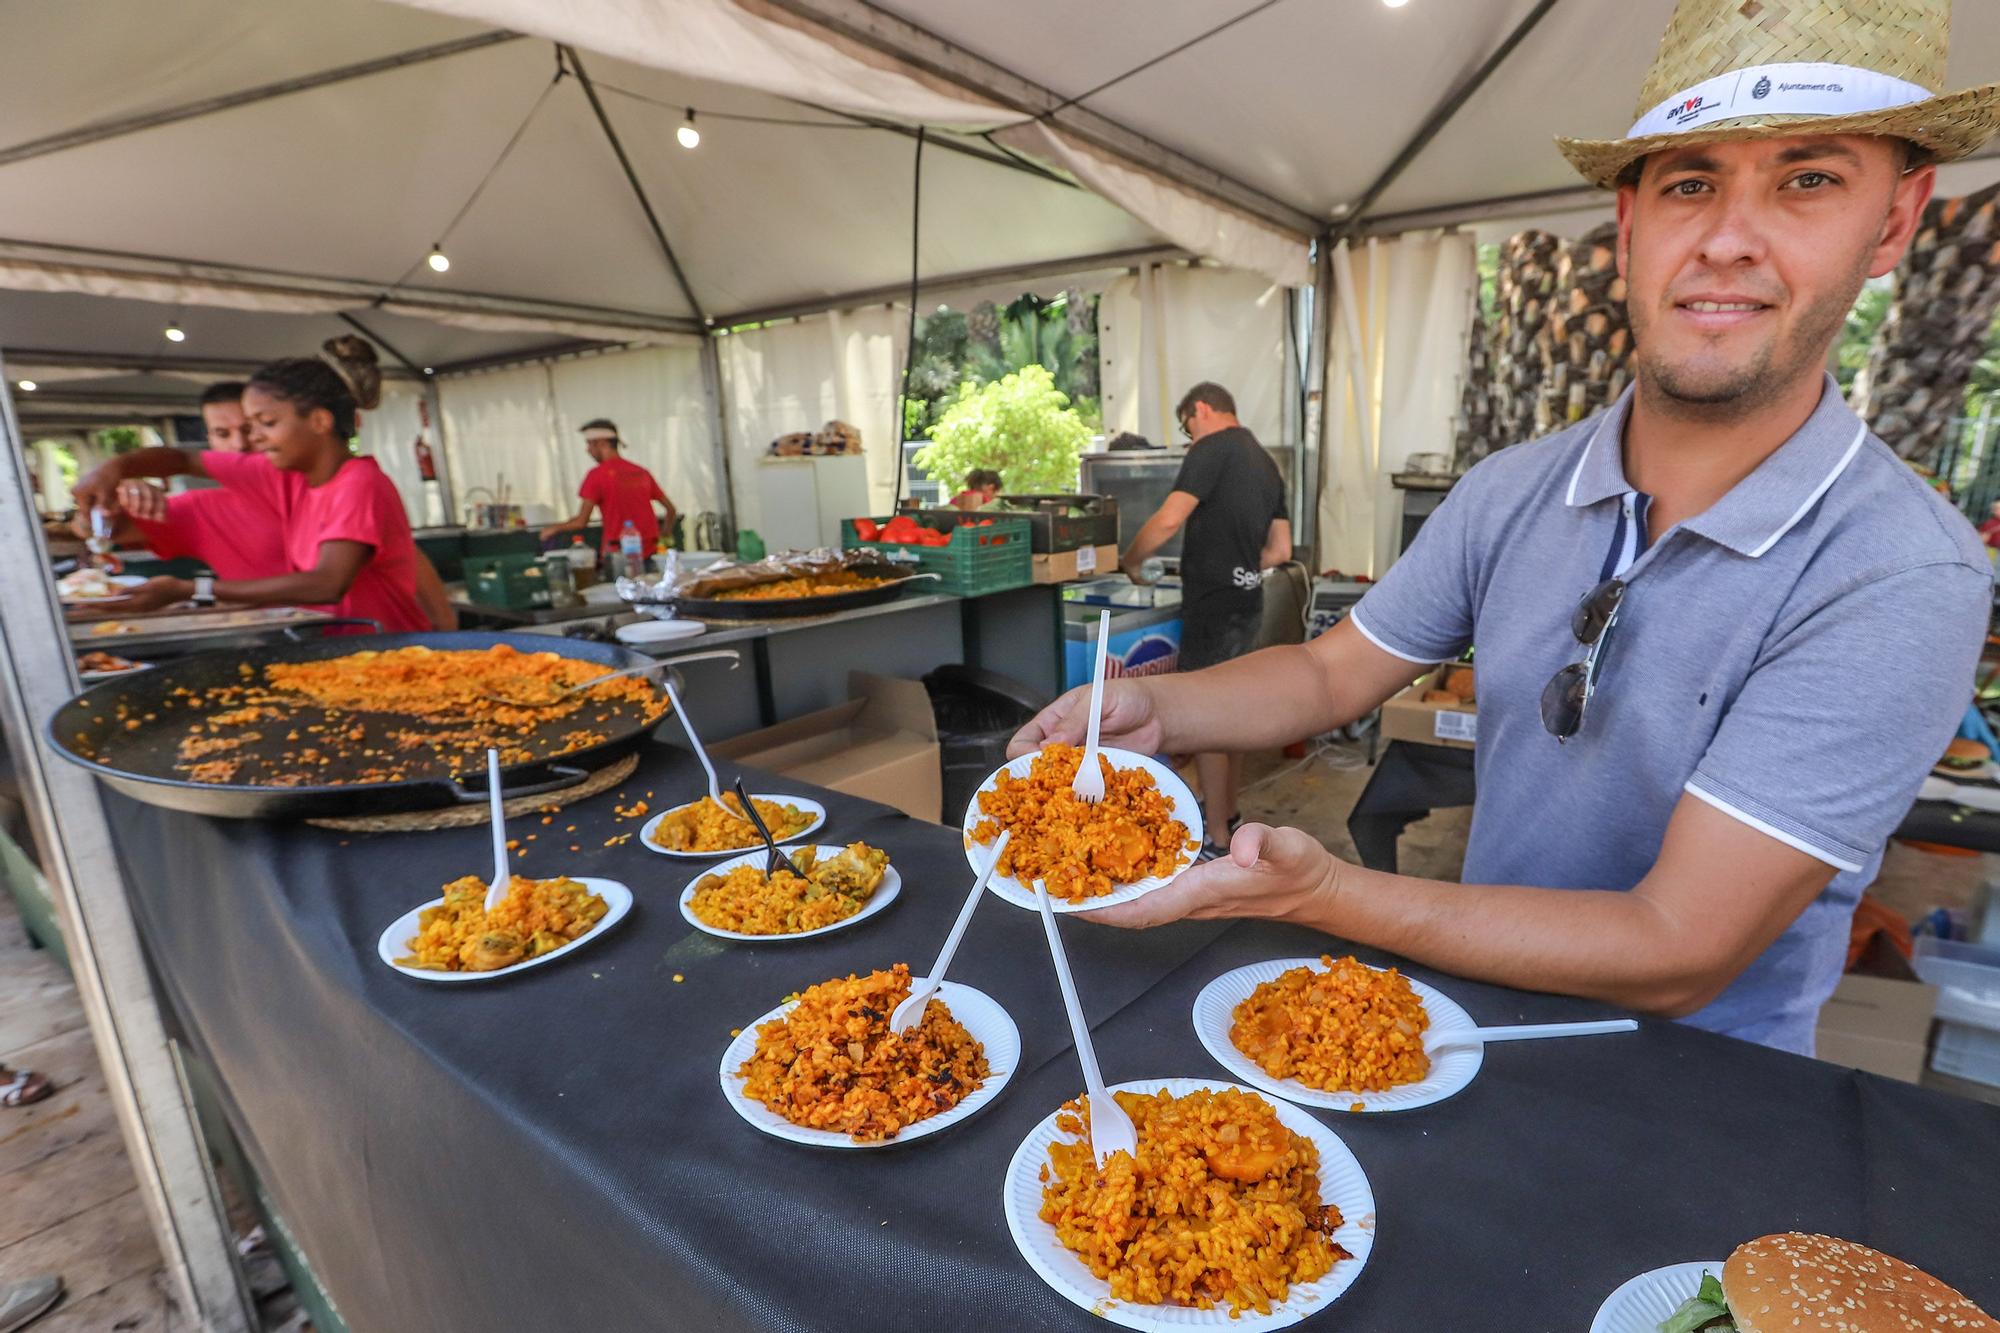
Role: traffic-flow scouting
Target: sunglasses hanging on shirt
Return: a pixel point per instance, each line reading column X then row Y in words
column 1568, row 692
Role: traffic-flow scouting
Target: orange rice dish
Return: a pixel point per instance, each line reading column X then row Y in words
column 457, row 685
column 748, row 901
column 704, row 826
column 538, row 917
column 1350, row 1028
column 1082, row 851
column 1220, row 1207
column 814, row 585
column 833, row 1063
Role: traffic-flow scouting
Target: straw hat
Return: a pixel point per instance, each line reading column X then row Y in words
column 1762, row 69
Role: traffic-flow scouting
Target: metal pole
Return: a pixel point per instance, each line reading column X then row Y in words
column 73, row 838
column 632, row 179
column 718, row 425
column 447, row 495
column 112, row 129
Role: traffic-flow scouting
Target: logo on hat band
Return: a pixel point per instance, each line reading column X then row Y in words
column 1810, row 89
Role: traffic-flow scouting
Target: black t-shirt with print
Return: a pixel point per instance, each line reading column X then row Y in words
column 1240, row 493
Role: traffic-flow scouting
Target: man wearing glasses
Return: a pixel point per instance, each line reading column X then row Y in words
column 1723, row 631
column 1230, row 499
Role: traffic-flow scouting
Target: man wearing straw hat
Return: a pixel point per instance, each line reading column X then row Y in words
column 1723, row 632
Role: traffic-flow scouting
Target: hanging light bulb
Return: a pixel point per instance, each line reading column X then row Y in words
column 175, row 333
column 28, row 386
column 1395, row 4
column 437, row 261
column 689, row 136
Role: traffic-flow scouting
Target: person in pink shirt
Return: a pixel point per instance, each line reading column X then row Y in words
column 346, row 540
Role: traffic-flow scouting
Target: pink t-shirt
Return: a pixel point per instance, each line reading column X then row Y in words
column 624, row 490
column 232, row 532
column 357, row 504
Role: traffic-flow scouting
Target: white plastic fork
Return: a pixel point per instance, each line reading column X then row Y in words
column 1435, row 1041
column 1089, row 783
column 496, row 892
column 674, row 698
column 1111, row 1130
column 911, row 1011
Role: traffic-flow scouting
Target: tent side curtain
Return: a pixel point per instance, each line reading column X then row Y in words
column 1394, row 370
column 750, row 44
column 1169, row 327
column 518, row 429
column 842, row 366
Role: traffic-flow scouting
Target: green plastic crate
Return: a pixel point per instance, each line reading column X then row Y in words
column 515, row 581
column 979, row 560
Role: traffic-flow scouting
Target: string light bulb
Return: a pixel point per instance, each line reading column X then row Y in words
column 28, row 386
column 689, row 136
column 175, row 333
column 437, row 260
column 1395, row 4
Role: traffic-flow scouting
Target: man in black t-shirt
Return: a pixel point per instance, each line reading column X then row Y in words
column 1231, row 499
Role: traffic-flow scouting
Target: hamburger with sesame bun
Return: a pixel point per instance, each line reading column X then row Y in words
column 1964, row 757
column 1798, row 1283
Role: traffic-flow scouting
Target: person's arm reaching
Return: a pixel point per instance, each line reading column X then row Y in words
column 325, row 583
column 1302, row 689
column 1277, row 544
column 576, row 522
column 660, row 499
column 99, row 486
column 431, row 598
column 1169, row 518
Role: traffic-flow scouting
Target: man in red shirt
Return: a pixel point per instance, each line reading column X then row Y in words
column 621, row 488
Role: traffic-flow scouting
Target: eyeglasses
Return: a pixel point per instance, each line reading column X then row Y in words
column 1568, row 692
column 1187, row 431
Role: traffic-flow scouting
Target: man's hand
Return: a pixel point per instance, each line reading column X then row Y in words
column 97, row 489
column 1129, row 721
column 1281, row 874
column 142, row 500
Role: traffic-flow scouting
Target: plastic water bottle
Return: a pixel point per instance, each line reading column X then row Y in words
column 631, row 550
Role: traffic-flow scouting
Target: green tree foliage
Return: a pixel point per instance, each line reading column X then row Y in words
column 986, row 343
column 1021, row 425
column 1858, row 335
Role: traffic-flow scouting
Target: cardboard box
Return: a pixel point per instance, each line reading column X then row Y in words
column 1407, row 717
column 1878, row 1024
column 881, row 745
column 1085, row 562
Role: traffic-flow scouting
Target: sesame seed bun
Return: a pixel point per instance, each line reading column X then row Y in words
column 1796, row 1283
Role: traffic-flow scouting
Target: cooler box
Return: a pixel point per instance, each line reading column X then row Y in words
column 1968, row 1009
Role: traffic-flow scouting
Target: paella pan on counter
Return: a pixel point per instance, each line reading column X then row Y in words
column 394, row 712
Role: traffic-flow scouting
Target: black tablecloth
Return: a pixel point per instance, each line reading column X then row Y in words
column 552, row 1151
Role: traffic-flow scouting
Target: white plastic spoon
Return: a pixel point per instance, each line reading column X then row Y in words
column 687, row 725
column 1089, row 781
column 911, row 1011
column 1111, row 1130
column 1435, row 1041
column 496, row 892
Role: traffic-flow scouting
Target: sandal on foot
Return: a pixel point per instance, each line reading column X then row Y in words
column 22, row 1303
column 25, row 1088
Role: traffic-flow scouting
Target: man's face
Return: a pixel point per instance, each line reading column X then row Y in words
column 228, row 427
column 601, row 450
column 1742, row 260
column 1202, row 420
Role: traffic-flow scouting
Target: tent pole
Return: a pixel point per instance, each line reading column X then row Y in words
column 632, row 178
column 1439, row 117
column 155, row 1118
column 112, row 129
column 447, row 495
column 1321, row 334
column 718, row 423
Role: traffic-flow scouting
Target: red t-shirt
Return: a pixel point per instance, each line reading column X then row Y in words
column 624, row 490
column 357, row 504
column 231, row 532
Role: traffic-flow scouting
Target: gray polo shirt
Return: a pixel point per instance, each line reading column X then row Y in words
column 1797, row 656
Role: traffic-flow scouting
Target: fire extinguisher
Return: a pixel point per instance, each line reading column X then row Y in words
column 426, row 465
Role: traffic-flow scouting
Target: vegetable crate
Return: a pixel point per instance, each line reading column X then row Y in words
column 515, row 581
column 1069, row 522
column 976, row 556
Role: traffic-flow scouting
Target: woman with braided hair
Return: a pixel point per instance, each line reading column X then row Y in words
column 347, row 540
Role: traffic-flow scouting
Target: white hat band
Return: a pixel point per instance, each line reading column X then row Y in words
column 1809, row 89
column 599, row 433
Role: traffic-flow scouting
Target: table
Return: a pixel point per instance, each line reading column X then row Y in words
column 552, row 1151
